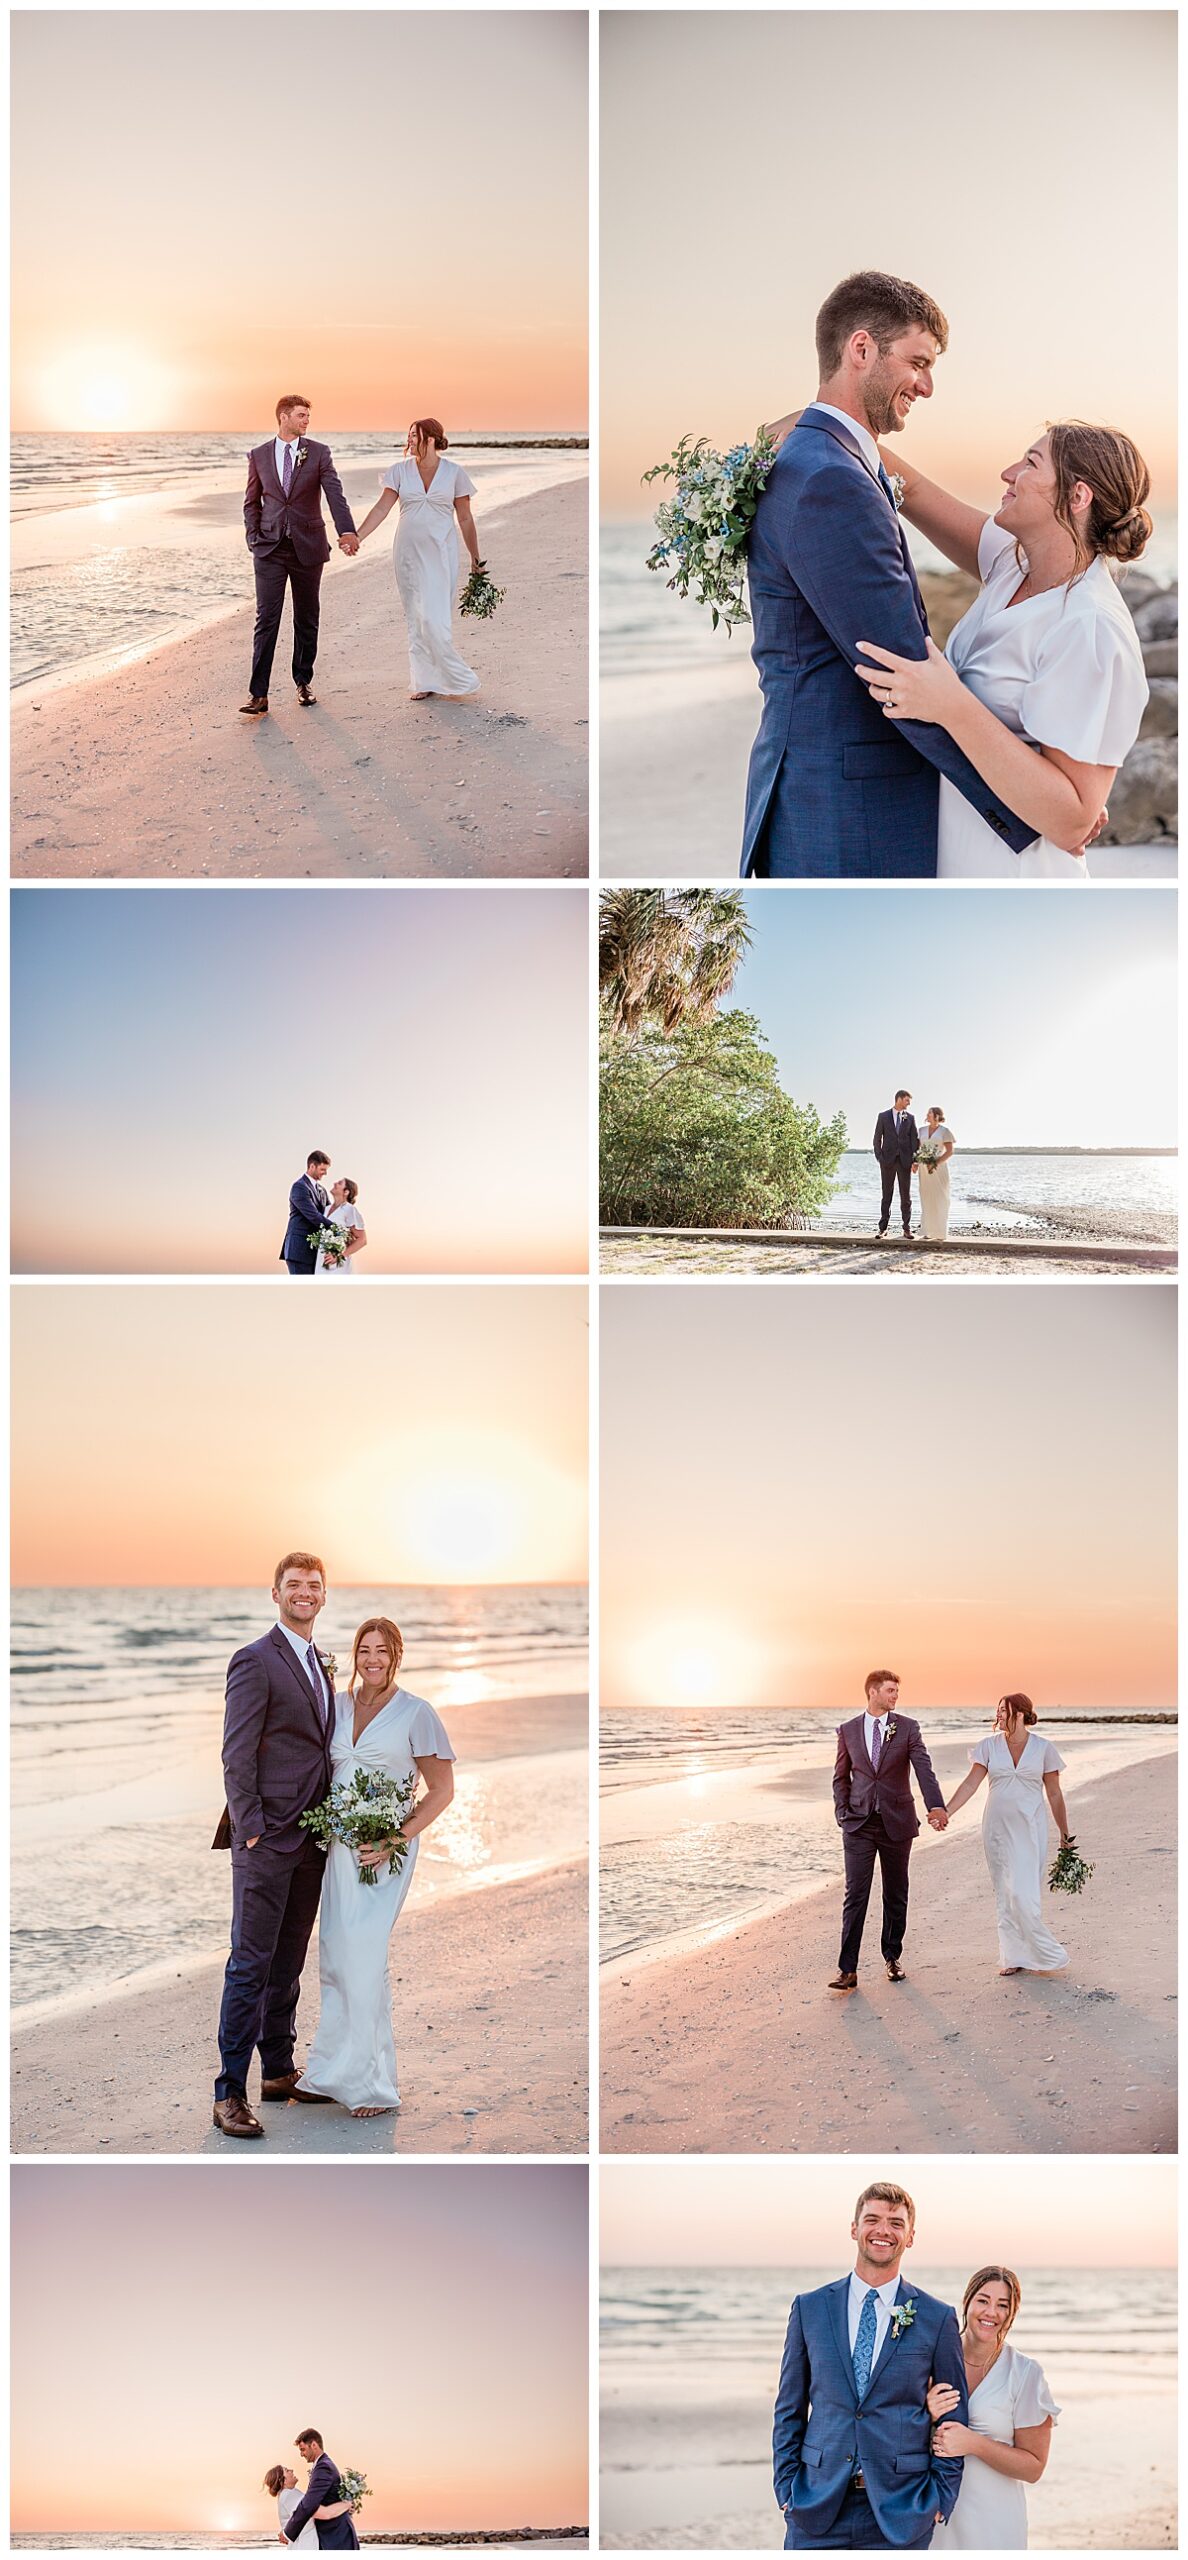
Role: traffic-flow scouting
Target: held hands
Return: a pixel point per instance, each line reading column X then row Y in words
column 348, row 542
column 938, row 1818
column 909, row 688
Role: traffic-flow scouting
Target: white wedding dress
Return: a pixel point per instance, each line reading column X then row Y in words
column 348, row 1219
column 286, row 2500
column 1065, row 670
column 934, row 1189
column 991, row 2511
column 1015, row 1839
column 353, row 2055
column 428, row 555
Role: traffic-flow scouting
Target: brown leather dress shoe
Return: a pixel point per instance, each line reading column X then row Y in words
column 844, row 1982
column 255, row 704
column 895, row 1971
column 312, row 2098
column 281, row 2087
column 234, row 2116
column 305, row 696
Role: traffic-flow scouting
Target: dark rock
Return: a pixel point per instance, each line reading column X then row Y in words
column 1161, row 717
column 1162, row 657
column 1159, row 618
column 1143, row 801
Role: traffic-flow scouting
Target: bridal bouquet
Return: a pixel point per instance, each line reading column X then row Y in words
column 929, row 1155
column 703, row 528
column 354, row 2486
column 360, row 1813
column 330, row 1242
column 1069, row 1871
column 480, row 595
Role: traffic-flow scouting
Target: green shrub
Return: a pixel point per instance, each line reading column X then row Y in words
column 696, row 1132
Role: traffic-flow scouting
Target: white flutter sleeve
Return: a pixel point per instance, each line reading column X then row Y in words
column 427, row 1736
column 1089, row 690
column 1031, row 2400
column 979, row 1757
column 391, row 479
column 1052, row 1759
column 463, row 484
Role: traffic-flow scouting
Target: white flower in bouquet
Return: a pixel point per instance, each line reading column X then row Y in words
column 368, row 1811
column 354, row 2486
column 930, row 1154
column 330, row 1242
column 703, row 529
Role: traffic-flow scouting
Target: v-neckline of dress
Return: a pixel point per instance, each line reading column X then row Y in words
column 1017, row 1764
column 426, row 485
column 372, row 1721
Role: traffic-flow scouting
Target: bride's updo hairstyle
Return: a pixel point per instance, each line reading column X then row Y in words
column 388, row 1629
column 274, row 2480
column 1118, row 525
column 424, row 427
column 1017, row 1705
column 994, row 2275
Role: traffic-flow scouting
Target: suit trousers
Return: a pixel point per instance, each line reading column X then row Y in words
column 276, row 570
column 273, row 1909
column 337, row 2534
column 864, row 1842
column 854, row 2529
column 892, row 1174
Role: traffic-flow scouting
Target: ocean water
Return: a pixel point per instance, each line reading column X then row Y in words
column 690, row 2357
column 1103, row 1194
column 711, row 1819
column 647, row 631
column 121, row 541
column 116, row 1723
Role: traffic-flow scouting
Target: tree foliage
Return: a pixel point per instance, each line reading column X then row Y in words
column 697, row 1132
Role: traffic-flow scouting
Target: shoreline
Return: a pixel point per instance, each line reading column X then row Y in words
column 795, row 2068
column 148, row 771
column 489, row 1996
column 641, row 1252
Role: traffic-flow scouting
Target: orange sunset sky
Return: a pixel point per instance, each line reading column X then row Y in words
column 188, row 1435
column 975, row 1485
column 177, row 2325
column 386, row 210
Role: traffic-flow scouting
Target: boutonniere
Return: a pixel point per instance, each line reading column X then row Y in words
column 898, row 489
column 889, row 1734
column 300, row 457
column 902, row 2317
column 329, row 1663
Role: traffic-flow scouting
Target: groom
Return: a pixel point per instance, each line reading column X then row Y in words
column 896, row 1146
column 308, row 1203
column 325, row 2490
column 276, row 1759
column 872, row 1796
column 854, row 2467
column 836, row 791
column 286, row 535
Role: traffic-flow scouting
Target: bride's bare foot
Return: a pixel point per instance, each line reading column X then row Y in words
column 420, row 697
column 373, row 2111
column 1010, row 1968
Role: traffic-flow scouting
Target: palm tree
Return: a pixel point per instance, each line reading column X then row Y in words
column 668, row 956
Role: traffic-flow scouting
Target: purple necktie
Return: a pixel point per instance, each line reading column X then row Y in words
column 876, row 1743
column 315, row 1668
column 288, row 468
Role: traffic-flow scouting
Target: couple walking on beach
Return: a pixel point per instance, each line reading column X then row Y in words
column 289, row 1737
column 288, row 477
column 896, row 2429
column 899, row 1152
column 872, row 1795
column 877, row 756
column 325, row 1229
column 319, row 2517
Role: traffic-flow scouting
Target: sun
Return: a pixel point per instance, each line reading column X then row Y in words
column 106, row 401
column 695, row 1662
column 107, row 390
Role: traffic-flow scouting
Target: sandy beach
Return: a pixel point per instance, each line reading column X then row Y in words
column 489, row 1997
column 146, row 770
column 660, row 1254
column 739, row 2046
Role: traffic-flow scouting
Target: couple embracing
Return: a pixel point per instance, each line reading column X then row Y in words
column 289, row 1736
column 894, row 2426
column 319, row 2517
column 877, row 756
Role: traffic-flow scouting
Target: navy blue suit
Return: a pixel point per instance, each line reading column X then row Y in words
column 836, row 791
column 308, row 1203
column 287, row 540
column 877, row 1817
column 896, row 1151
column 325, row 2489
column 276, row 1761
column 824, row 2434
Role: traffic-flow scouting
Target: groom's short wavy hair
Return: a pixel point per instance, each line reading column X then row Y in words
column 887, row 306
column 882, row 2191
column 875, row 1679
column 309, row 2435
column 298, row 1562
column 292, row 400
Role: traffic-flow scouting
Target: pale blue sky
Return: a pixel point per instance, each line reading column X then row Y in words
column 1031, row 1018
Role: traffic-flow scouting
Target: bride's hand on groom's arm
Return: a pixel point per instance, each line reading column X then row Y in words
column 950, row 2440
column 939, row 2398
column 909, row 688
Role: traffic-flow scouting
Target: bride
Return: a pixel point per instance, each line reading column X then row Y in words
column 1023, row 1769
column 1006, row 2443
column 344, row 1214
column 934, row 1180
column 1042, row 682
column 431, row 492
column 380, row 1727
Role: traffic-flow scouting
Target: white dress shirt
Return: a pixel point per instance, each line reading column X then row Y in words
column 884, row 2297
column 293, row 447
column 862, row 435
column 301, row 1645
column 868, row 1725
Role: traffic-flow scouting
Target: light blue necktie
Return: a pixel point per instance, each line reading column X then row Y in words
column 864, row 2343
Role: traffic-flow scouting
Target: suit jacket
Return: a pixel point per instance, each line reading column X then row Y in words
column 860, row 1790
column 897, row 1146
column 836, row 790
column 308, row 1203
column 823, row 2432
column 270, row 517
column 276, row 1748
column 325, row 2489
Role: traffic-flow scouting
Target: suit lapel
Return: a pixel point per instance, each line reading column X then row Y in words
column 839, row 2301
column 860, row 1729
column 301, row 1675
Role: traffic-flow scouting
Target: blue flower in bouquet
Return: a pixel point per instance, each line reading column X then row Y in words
column 706, row 524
